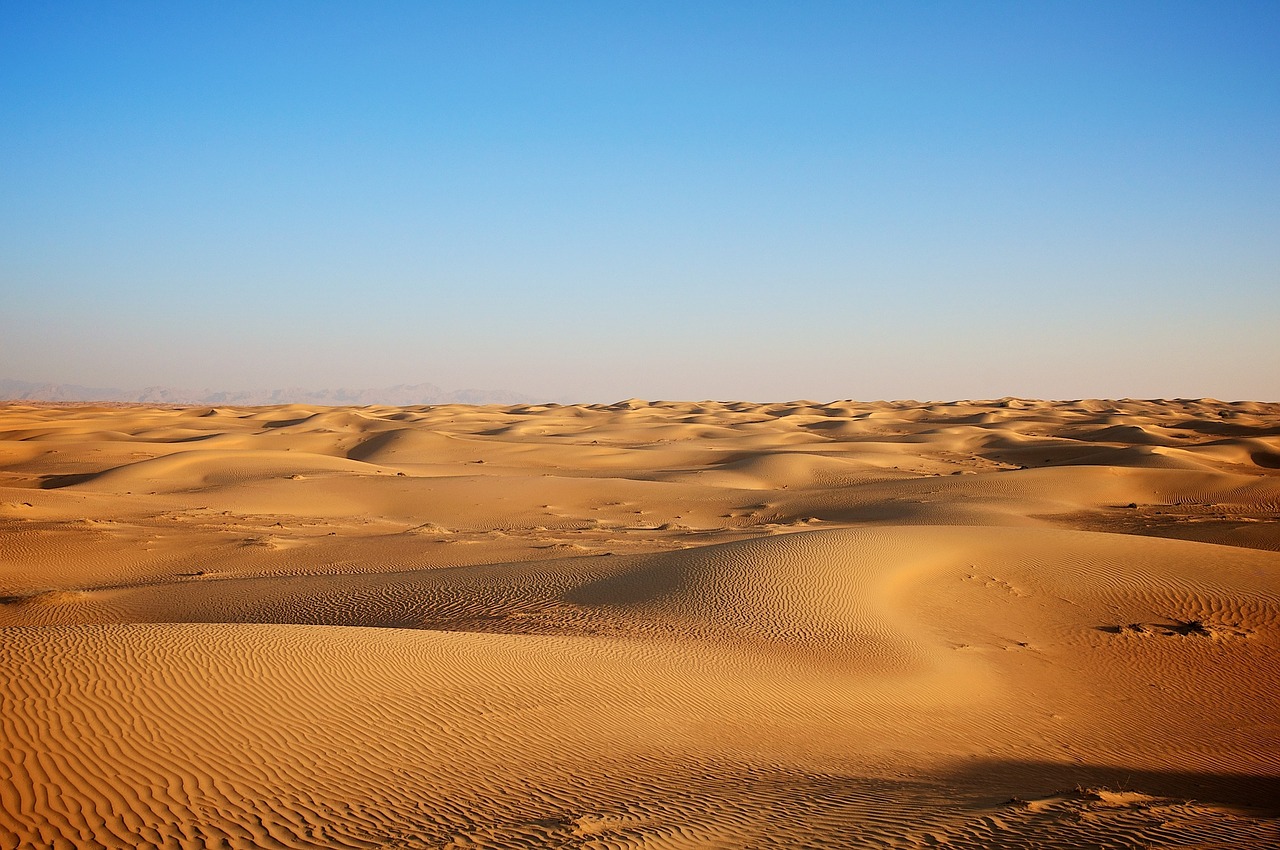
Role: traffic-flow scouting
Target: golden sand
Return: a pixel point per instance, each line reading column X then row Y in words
column 974, row 624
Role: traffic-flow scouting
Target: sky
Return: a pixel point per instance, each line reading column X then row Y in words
column 687, row 200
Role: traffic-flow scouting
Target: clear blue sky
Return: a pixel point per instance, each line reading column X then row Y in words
column 670, row 200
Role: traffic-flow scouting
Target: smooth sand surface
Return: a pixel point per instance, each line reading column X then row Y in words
column 657, row 625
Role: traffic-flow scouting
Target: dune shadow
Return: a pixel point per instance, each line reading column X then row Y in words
column 285, row 423
column 54, row 482
column 1212, row 428
column 634, row 587
column 992, row 781
column 1267, row 460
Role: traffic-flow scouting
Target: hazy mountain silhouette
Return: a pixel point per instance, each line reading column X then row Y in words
column 400, row 394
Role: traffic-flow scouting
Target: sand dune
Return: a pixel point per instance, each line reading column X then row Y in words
column 978, row 624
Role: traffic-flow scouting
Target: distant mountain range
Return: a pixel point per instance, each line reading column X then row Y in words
column 399, row 395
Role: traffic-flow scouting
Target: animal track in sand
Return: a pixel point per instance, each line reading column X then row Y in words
column 989, row 581
column 1181, row 628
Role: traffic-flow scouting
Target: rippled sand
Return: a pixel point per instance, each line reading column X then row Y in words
column 986, row 624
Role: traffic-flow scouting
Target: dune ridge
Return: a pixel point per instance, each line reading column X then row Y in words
column 1005, row 623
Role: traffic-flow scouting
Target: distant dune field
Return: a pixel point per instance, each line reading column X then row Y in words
column 641, row 625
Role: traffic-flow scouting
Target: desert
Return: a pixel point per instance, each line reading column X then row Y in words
column 356, row 493
column 1004, row 623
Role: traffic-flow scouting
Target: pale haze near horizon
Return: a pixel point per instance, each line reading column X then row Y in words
column 596, row 201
